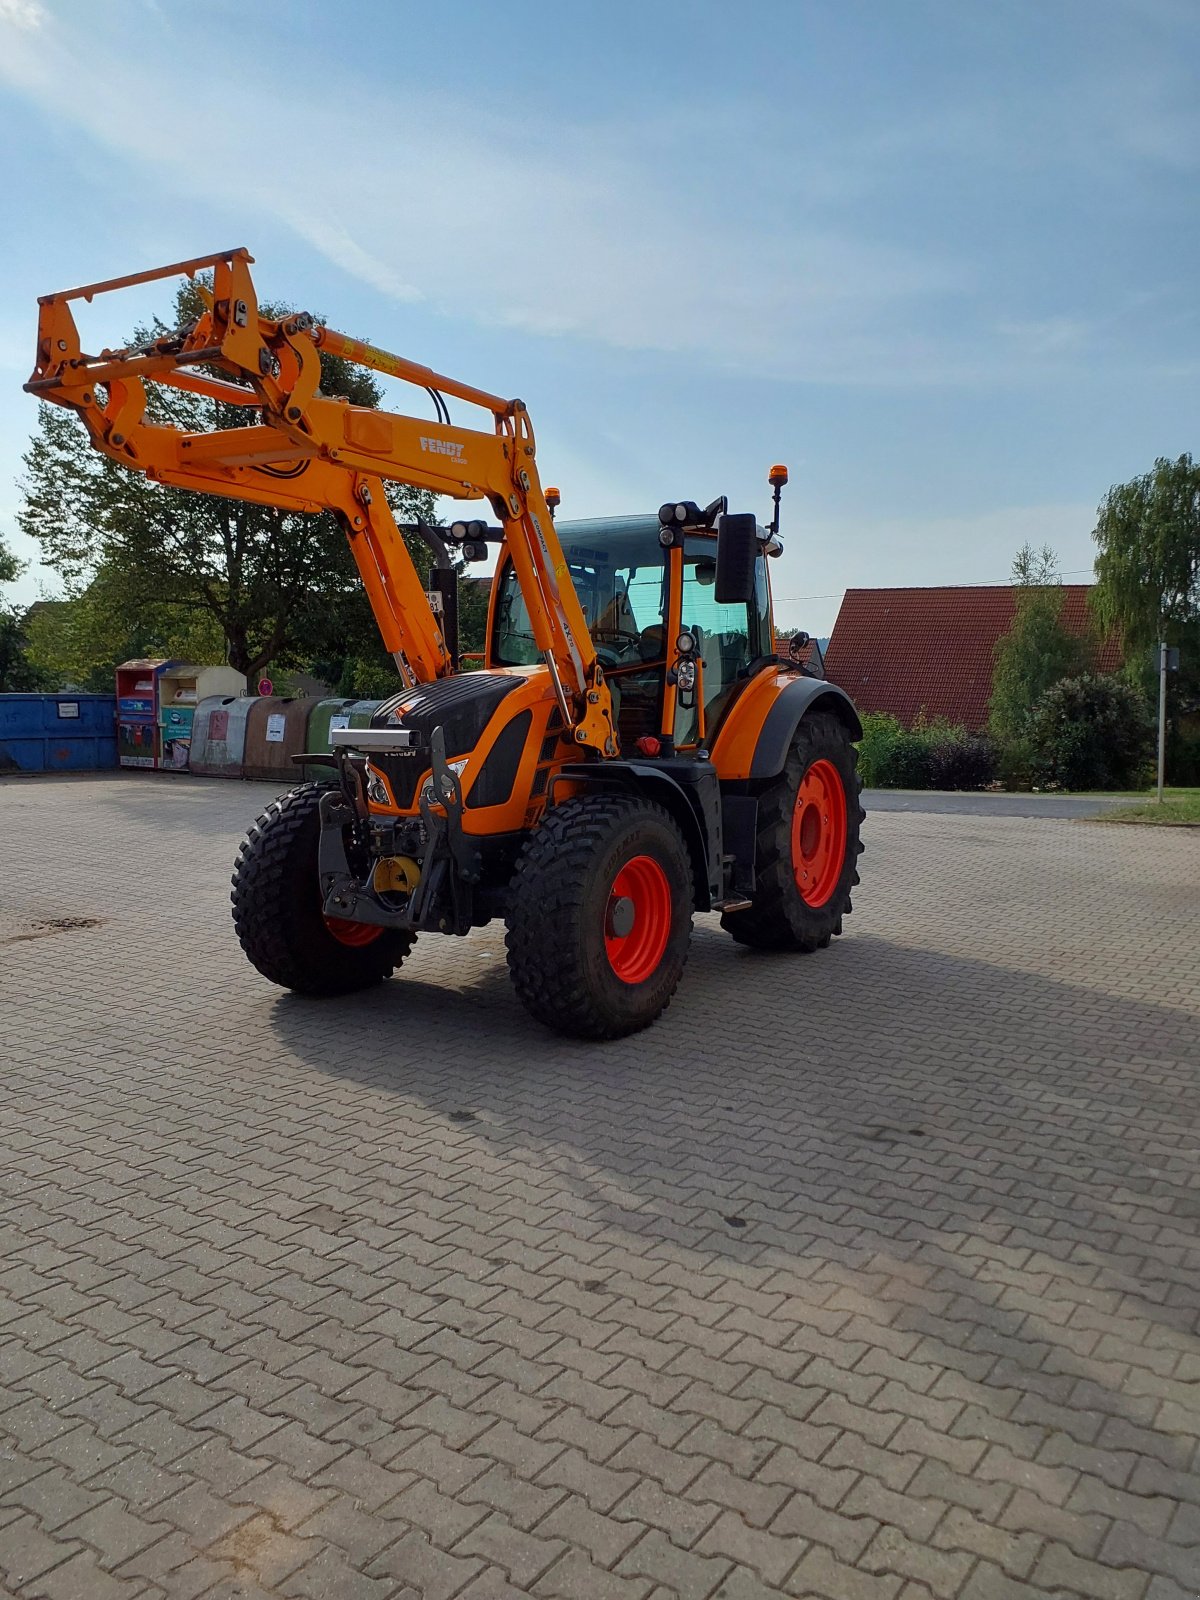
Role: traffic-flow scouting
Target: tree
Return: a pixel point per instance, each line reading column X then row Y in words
column 279, row 587
column 1148, row 570
column 1037, row 651
column 17, row 675
column 78, row 643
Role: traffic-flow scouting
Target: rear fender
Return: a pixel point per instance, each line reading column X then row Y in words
column 757, row 734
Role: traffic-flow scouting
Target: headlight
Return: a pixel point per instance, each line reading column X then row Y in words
column 377, row 790
column 685, row 673
column 429, row 795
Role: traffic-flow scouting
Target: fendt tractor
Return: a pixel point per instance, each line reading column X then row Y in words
column 632, row 750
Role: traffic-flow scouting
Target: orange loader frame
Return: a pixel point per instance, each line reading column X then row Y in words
column 314, row 452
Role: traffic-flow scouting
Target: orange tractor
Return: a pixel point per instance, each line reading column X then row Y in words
column 632, row 751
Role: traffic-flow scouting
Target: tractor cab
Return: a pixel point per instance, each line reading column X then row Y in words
column 675, row 656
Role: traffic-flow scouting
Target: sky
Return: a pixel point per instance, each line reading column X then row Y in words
column 937, row 256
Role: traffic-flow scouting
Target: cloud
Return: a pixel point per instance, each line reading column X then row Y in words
column 707, row 234
column 636, row 234
column 24, row 14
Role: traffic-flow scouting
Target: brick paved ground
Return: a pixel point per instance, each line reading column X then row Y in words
column 866, row 1277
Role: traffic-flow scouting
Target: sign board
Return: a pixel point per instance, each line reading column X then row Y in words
column 68, row 708
column 276, row 723
column 265, row 686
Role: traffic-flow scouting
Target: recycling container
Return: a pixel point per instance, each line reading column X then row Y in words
column 277, row 730
column 139, row 739
column 182, row 685
column 362, row 711
column 57, row 732
column 218, row 744
column 327, row 715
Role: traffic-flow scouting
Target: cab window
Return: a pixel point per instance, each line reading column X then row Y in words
column 728, row 637
column 620, row 579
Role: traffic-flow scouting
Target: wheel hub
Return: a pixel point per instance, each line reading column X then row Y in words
column 620, row 917
column 637, row 919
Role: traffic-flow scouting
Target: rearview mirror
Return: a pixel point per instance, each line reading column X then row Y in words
column 737, row 552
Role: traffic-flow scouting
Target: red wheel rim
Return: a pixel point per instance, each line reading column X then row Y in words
column 637, row 919
column 819, row 833
column 354, row 934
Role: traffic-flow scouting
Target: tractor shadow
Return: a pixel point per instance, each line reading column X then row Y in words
column 997, row 1161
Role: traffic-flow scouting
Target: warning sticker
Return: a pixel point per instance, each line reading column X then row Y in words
column 276, row 723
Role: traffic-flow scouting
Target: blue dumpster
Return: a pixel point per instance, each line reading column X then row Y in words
column 57, row 732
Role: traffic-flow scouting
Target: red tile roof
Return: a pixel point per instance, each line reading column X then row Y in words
column 908, row 650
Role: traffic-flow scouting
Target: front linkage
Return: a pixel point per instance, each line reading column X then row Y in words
column 403, row 873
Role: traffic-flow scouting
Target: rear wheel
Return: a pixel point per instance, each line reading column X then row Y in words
column 600, row 916
column 807, row 845
column 277, row 908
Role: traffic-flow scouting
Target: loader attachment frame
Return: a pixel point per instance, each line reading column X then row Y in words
column 307, row 451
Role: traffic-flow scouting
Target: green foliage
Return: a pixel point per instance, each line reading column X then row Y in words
column 279, row 587
column 1183, row 758
column 881, row 733
column 1148, row 580
column 79, row 643
column 1037, row 650
column 18, row 675
column 1148, row 568
column 10, row 567
column 1014, row 763
column 1091, row 733
column 930, row 755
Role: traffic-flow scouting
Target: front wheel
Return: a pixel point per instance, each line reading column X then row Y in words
column 600, row 916
column 807, row 846
column 277, row 908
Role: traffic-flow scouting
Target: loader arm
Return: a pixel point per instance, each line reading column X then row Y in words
column 307, row 451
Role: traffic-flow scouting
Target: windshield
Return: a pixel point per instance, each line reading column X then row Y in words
column 620, row 577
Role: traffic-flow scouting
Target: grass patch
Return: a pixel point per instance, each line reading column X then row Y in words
column 1180, row 808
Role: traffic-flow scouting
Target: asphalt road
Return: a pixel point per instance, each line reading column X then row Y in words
column 990, row 805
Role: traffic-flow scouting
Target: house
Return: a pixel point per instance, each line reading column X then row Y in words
column 932, row 650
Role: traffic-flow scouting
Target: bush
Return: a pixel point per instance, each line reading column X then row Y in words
column 880, row 734
column 933, row 755
column 1090, row 733
column 1014, row 765
column 1183, row 759
column 961, row 761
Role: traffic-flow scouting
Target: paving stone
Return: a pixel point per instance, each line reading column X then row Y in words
column 260, row 1291
column 1059, row 1567
column 768, row 1555
column 523, row 1556
column 685, row 1573
column 28, row 1551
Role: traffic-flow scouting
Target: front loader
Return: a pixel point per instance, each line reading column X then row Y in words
column 631, row 752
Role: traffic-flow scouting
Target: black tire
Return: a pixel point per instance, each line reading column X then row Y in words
column 277, row 907
column 780, row 918
column 559, row 911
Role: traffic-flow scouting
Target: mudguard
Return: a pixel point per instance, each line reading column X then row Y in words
column 689, row 790
column 755, row 735
column 799, row 699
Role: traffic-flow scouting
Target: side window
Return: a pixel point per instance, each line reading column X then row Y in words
column 729, row 636
column 515, row 642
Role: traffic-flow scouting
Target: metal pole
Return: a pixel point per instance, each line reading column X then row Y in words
column 1162, row 717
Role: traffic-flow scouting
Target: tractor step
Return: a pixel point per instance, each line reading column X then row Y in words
column 732, row 905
